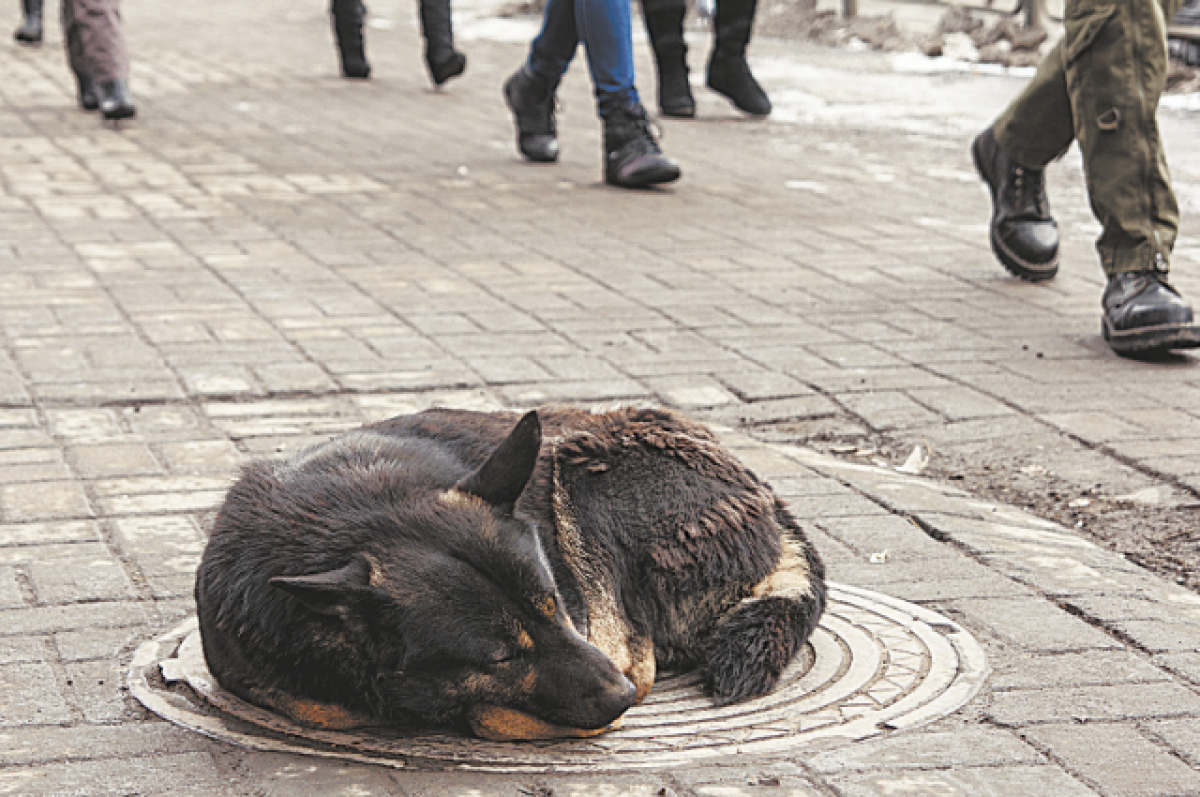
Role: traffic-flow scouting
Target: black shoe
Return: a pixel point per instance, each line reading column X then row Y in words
column 30, row 31
column 116, row 103
column 632, row 158
column 675, row 91
column 532, row 104
column 88, row 99
column 437, row 27
column 444, row 66
column 731, row 77
column 348, row 17
column 1145, row 315
column 665, row 29
column 1024, row 235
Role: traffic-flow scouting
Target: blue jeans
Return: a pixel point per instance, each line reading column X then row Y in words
column 605, row 29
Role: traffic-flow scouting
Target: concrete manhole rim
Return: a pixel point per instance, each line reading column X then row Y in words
column 878, row 664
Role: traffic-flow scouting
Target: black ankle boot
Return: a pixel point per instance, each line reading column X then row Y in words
column 30, row 31
column 348, row 17
column 632, row 158
column 1145, row 315
column 532, row 103
column 728, row 72
column 88, row 99
column 116, row 102
column 1024, row 235
column 443, row 60
column 665, row 28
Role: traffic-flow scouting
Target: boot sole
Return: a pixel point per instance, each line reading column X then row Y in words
column 1147, row 340
column 647, row 178
column 1030, row 272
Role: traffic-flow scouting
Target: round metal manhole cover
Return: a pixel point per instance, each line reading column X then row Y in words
column 875, row 664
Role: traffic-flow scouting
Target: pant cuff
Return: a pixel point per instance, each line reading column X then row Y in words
column 1139, row 258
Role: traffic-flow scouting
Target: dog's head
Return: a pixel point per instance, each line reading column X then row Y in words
column 454, row 606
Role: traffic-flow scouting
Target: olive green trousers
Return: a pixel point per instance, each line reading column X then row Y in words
column 1100, row 86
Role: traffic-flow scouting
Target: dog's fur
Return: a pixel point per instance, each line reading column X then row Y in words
column 448, row 567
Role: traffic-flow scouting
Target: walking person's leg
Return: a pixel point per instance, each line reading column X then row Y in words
column 76, row 59
column 530, row 91
column 348, row 17
column 99, row 51
column 443, row 60
column 664, row 26
column 30, row 31
column 728, row 72
column 1100, row 86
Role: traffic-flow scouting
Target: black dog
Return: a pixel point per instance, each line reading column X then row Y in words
column 447, row 567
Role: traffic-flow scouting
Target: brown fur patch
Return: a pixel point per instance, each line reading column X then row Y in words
column 509, row 725
column 546, row 606
column 327, row 716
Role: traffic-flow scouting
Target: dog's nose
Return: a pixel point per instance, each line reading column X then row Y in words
column 614, row 700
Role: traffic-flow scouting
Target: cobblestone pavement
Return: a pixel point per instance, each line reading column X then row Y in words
column 271, row 255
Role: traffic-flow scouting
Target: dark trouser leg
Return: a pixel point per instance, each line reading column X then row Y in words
column 443, row 60
column 348, row 18
column 95, row 43
column 30, row 31
column 664, row 24
column 728, row 72
column 1101, row 86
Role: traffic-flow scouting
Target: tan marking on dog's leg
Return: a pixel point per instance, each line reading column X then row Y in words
column 312, row 713
column 792, row 578
column 644, row 667
column 509, row 725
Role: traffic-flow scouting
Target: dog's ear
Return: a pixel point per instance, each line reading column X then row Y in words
column 501, row 480
column 333, row 592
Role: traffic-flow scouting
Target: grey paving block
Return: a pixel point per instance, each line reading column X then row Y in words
column 1118, row 759
column 30, row 694
column 1086, row 668
column 184, row 774
column 965, row 748
column 964, row 782
column 1081, row 704
column 1034, row 625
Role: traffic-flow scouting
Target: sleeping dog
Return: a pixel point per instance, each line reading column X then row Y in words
column 523, row 577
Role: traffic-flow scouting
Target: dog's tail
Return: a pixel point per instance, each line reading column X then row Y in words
column 755, row 642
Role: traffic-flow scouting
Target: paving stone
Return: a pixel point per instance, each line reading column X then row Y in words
column 21, row 649
column 95, row 643
column 1183, row 737
column 113, row 460
column 964, row 748
column 767, row 787
column 190, row 774
column 43, row 501
column 275, row 774
column 1186, row 665
column 78, row 616
column 1157, row 636
column 74, row 580
column 1086, row 668
column 1118, row 759
column 964, row 782
column 46, row 533
column 1034, row 625
column 900, row 538
column 29, row 695
column 99, row 690
column 1099, row 703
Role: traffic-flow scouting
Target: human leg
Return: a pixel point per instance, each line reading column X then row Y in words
column 97, row 50
column 664, row 25
column 728, row 72
column 30, row 31
column 443, row 60
column 348, row 17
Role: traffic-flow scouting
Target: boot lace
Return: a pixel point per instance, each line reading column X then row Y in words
column 1027, row 193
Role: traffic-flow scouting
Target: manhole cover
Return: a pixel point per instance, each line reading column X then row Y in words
column 875, row 664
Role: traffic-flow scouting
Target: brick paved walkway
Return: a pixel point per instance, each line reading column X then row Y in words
column 271, row 255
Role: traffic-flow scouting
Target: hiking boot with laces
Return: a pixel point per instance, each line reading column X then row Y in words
column 1024, row 236
column 1145, row 315
column 532, row 104
column 632, row 158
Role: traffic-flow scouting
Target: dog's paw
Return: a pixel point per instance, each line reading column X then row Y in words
column 750, row 648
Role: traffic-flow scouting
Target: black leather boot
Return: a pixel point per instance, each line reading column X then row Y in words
column 728, row 72
column 532, row 101
column 443, row 60
column 1145, row 315
column 665, row 28
column 1024, row 235
column 348, row 18
column 30, row 31
column 116, row 102
column 632, row 158
column 88, row 99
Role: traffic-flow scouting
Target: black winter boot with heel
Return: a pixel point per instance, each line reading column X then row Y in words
column 348, row 18
column 664, row 25
column 443, row 60
column 30, row 31
column 632, row 158
column 728, row 72
column 531, row 100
